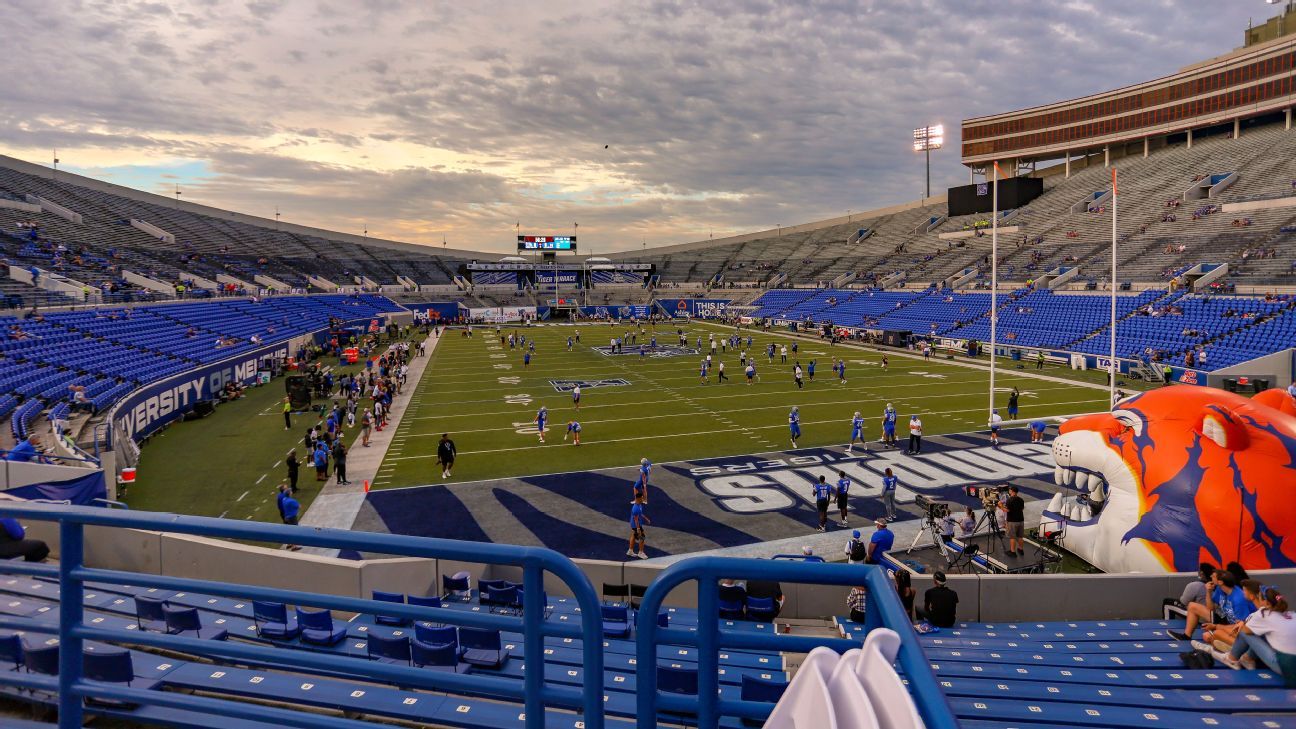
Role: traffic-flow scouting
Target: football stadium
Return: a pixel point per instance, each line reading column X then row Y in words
column 1020, row 452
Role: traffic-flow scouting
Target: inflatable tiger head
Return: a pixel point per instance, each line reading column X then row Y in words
column 1181, row 475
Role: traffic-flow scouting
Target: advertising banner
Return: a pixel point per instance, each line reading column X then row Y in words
column 699, row 308
column 144, row 411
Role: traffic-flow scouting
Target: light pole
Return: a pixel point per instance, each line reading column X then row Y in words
column 925, row 139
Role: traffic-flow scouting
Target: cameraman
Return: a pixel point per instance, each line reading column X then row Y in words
column 1014, row 508
column 947, row 523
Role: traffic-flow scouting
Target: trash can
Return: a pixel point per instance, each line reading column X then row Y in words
column 1230, row 384
column 1016, row 355
column 1260, row 385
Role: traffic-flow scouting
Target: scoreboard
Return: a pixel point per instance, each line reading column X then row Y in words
column 546, row 242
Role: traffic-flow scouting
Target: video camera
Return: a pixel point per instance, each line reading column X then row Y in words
column 936, row 510
column 987, row 495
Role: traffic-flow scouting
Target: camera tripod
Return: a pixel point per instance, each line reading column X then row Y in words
column 991, row 518
column 931, row 526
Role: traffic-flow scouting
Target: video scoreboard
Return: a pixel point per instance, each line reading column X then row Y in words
column 546, row 242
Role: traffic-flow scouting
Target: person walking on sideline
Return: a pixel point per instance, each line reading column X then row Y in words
column 287, row 411
column 446, row 453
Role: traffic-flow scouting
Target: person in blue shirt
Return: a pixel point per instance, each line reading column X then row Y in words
column 653, row 342
column 889, row 484
column 643, row 351
column 880, row 543
column 702, row 371
column 526, row 359
column 641, row 481
column 569, row 344
column 1226, row 598
column 542, row 417
column 889, row 426
column 841, row 373
column 573, row 429
column 822, row 493
column 794, row 425
column 857, row 432
column 321, row 461
column 842, row 488
column 531, row 346
column 289, row 510
column 14, row 543
column 637, row 536
column 769, row 352
column 1037, row 428
column 751, row 372
column 24, row 451
column 810, row 369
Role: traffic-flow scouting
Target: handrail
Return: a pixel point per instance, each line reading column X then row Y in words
column 883, row 609
column 535, row 693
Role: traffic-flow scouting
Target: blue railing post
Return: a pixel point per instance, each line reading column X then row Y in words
column 708, row 655
column 533, row 608
column 71, row 613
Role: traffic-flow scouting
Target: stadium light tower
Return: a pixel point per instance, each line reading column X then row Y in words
column 925, row 140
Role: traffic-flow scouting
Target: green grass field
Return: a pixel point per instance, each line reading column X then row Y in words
column 480, row 392
column 228, row 464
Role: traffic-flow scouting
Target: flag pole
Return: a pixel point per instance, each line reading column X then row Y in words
column 994, row 282
column 1111, row 365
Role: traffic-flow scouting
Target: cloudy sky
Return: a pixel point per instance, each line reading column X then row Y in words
column 642, row 121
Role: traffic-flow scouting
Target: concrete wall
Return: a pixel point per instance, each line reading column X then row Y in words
column 985, row 598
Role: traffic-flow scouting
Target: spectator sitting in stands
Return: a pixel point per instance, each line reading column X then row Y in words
column 856, row 602
column 1226, row 608
column 1195, row 591
column 14, row 543
column 904, row 588
column 940, row 604
column 1268, row 635
column 767, row 588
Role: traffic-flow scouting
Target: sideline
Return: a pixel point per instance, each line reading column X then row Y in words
column 337, row 505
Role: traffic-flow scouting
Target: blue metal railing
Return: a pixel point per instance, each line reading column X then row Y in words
column 73, row 631
column 883, row 609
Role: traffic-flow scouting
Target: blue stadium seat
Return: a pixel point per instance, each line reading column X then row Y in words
column 180, row 620
column 444, row 657
column 457, row 586
column 389, row 650
column 317, row 627
column 272, row 621
column 395, row 597
column 616, row 621
column 149, row 615
column 483, row 647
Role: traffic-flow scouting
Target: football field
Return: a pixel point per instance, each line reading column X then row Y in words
column 656, row 406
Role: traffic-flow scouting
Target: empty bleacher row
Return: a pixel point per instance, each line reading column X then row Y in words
column 96, row 250
column 1155, row 324
column 369, row 639
column 111, row 352
column 1091, row 673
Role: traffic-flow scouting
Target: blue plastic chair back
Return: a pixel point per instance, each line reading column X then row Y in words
column 42, row 659
column 424, row 654
column 181, row 619
column 394, row 648
column 480, row 639
column 108, row 665
column 315, row 619
column 677, row 680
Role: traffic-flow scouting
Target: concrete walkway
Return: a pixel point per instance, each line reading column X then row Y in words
column 337, row 505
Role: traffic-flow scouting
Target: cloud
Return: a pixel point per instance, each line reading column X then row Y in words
column 429, row 118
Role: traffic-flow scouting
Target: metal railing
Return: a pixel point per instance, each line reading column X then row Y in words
column 882, row 609
column 73, row 630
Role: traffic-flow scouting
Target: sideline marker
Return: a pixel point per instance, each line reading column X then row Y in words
column 366, row 485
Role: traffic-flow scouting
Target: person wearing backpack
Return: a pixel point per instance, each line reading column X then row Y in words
column 856, row 549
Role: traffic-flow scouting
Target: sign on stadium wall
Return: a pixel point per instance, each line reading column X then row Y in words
column 149, row 408
column 627, row 311
column 502, row 314
column 700, row 308
column 546, row 278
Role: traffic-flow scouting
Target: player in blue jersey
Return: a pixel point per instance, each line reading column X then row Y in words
column 702, row 371
column 573, row 429
column 749, row 341
column 643, row 351
column 641, row 481
column 526, row 359
column 794, row 425
column 810, row 369
column 569, row 344
column 889, row 426
column 751, row 372
column 842, row 488
column 531, row 346
column 857, row 432
column 822, row 493
column 769, row 352
column 1037, row 428
column 653, row 343
column 889, row 484
column 637, row 536
column 542, row 417
column 841, row 372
